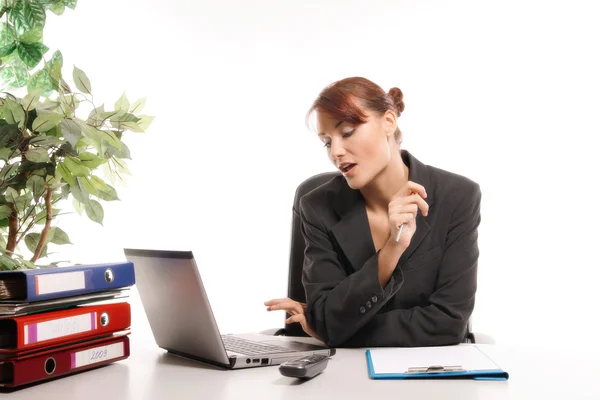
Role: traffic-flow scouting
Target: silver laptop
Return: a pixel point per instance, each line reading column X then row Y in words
column 183, row 323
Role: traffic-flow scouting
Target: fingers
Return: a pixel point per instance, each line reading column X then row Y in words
column 399, row 219
column 275, row 301
column 292, row 307
column 412, row 187
column 301, row 318
column 409, row 204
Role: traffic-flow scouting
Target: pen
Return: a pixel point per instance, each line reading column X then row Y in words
column 399, row 233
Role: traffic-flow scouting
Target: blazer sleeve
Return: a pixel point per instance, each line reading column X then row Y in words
column 444, row 320
column 336, row 301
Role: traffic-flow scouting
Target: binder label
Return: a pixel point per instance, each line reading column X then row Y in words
column 59, row 282
column 97, row 354
column 60, row 327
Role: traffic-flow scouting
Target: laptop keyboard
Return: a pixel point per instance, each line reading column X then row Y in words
column 249, row 347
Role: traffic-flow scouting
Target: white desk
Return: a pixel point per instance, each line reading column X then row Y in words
column 150, row 373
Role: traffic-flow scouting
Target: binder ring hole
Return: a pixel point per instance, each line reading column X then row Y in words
column 104, row 319
column 109, row 276
column 50, row 366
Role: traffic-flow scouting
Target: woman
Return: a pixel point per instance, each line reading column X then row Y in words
column 391, row 244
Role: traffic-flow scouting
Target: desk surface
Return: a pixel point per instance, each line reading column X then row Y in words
column 150, row 373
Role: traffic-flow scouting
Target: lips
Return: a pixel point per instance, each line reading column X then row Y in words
column 346, row 168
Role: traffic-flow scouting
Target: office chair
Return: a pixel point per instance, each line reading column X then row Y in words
column 295, row 287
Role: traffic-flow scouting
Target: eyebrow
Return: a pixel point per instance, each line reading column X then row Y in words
column 338, row 124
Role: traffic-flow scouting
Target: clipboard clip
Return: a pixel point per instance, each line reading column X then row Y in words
column 435, row 369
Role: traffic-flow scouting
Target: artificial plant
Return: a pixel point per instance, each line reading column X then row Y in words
column 49, row 151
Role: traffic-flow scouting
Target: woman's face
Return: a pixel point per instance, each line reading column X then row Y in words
column 360, row 152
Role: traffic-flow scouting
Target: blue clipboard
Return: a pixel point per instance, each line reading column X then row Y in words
column 468, row 362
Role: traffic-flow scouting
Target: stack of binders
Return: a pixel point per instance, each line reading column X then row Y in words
column 59, row 321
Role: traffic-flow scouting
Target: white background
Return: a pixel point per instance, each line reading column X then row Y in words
column 506, row 93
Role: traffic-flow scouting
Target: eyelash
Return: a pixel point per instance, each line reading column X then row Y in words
column 345, row 135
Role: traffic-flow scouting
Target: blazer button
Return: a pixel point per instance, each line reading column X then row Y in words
column 368, row 304
column 362, row 310
column 374, row 299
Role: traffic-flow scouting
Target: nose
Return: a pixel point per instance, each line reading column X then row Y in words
column 337, row 148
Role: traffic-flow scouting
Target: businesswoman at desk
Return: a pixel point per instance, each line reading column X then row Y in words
column 391, row 243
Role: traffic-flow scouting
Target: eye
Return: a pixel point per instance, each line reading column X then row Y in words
column 327, row 144
column 348, row 134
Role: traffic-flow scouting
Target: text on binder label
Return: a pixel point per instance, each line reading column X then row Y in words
column 59, row 327
column 59, row 282
column 97, row 354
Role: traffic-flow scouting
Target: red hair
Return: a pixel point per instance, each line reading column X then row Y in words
column 338, row 100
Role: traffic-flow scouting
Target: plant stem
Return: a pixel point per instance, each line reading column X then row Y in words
column 44, row 236
column 13, row 228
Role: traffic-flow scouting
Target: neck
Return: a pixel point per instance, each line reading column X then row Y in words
column 379, row 192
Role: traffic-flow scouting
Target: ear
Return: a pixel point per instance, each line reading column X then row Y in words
column 389, row 123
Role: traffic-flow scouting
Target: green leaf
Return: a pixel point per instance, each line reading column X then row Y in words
column 57, row 58
column 85, row 183
column 59, row 236
column 42, row 80
column 40, row 218
column 79, row 193
column 95, row 116
column 4, row 211
column 78, row 206
column 36, row 185
column 98, row 135
column 46, row 122
column 11, row 195
column 108, row 195
column 90, row 160
column 31, row 100
column 7, row 172
column 65, row 173
column 5, row 152
column 7, row 263
column 46, row 141
column 31, row 53
column 15, row 76
column 32, row 35
column 18, row 20
column 35, row 15
column 58, row 8
column 122, row 104
column 71, row 131
column 99, row 184
column 7, row 50
column 76, row 167
column 13, row 112
column 81, row 81
column 37, row 155
column 123, row 152
column 7, row 34
column 145, row 121
column 32, row 240
column 70, row 3
column 138, row 106
column 94, row 211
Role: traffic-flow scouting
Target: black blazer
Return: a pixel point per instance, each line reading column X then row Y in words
column 431, row 294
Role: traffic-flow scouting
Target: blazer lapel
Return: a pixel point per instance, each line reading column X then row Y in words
column 418, row 173
column 353, row 233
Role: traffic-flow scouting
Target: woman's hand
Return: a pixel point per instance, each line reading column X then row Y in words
column 403, row 210
column 296, row 309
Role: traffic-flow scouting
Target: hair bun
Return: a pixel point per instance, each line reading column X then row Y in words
column 397, row 96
